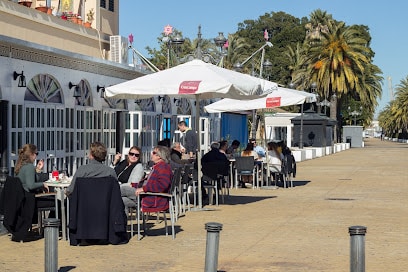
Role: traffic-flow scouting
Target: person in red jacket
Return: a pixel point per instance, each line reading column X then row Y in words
column 158, row 181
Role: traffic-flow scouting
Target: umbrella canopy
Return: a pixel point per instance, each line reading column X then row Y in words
column 194, row 79
column 189, row 80
column 277, row 98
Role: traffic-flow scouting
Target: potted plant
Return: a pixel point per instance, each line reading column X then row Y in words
column 26, row 3
column 42, row 8
column 90, row 17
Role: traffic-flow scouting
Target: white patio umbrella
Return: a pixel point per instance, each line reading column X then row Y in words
column 195, row 79
column 277, row 98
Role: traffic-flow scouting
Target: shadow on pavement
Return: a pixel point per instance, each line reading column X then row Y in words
column 66, row 268
column 237, row 200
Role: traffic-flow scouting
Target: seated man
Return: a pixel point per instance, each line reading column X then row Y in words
column 258, row 149
column 215, row 156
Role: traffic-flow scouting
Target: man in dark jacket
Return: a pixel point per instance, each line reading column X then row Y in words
column 189, row 139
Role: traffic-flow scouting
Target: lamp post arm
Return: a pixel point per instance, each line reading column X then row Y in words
column 145, row 60
column 256, row 52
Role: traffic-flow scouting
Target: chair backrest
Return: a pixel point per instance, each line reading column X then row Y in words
column 288, row 163
column 186, row 175
column 176, row 180
column 96, row 210
column 215, row 169
column 17, row 206
column 246, row 163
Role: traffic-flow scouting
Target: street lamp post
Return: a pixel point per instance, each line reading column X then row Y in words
column 238, row 67
column 355, row 113
column 313, row 88
column 177, row 40
column 205, row 56
column 325, row 103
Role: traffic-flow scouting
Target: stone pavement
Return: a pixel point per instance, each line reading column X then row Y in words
column 304, row 228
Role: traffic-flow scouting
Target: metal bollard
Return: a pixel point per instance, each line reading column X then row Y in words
column 357, row 248
column 51, row 229
column 211, row 253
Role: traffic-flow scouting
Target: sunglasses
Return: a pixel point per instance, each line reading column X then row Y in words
column 154, row 152
column 133, row 154
column 36, row 153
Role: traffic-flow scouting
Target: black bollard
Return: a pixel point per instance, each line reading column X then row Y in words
column 357, row 248
column 51, row 229
column 211, row 253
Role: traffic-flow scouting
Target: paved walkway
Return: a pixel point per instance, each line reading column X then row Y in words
column 299, row 229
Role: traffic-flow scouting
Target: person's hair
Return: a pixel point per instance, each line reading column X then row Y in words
column 223, row 144
column 175, row 144
column 215, row 145
column 248, row 150
column 140, row 153
column 24, row 156
column 235, row 143
column 98, row 151
column 182, row 123
column 163, row 152
column 249, row 147
column 273, row 147
column 252, row 140
column 164, row 142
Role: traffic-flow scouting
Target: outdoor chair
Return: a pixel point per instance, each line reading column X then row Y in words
column 97, row 212
column 173, row 209
column 288, row 170
column 186, row 177
column 245, row 166
column 213, row 177
column 18, row 207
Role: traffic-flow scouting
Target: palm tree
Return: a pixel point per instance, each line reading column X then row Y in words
column 237, row 47
column 335, row 62
column 400, row 107
column 298, row 66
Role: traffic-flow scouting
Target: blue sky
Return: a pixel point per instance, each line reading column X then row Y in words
column 385, row 19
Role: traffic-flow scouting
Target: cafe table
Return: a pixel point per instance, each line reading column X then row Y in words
column 60, row 186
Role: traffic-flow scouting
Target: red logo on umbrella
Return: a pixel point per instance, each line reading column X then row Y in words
column 189, row 87
column 273, row 102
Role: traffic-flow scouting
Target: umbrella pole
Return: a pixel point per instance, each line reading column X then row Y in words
column 268, row 172
column 198, row 154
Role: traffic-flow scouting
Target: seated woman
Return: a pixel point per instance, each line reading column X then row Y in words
column 274, row 159
column 131, row 169
column 158, row 181
column 26, row 170
column 28, row 175
column 248, row 151
column 130, row 172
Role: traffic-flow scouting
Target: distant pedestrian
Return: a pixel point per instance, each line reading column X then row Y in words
column 188, row 140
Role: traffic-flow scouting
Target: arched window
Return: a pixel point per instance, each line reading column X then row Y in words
column 85, row 98
column 44, row 88
column 183, row 106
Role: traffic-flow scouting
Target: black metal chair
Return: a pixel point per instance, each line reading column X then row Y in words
column 213, row 177
column 245, row 166
column 173, row 198
column 97, row 212
column 18, row 208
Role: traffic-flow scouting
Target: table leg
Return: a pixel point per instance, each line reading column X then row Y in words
column 63, row 218
column 56, row 203
column 138, row 216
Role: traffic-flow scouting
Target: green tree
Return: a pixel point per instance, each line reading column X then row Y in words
column 336, row 59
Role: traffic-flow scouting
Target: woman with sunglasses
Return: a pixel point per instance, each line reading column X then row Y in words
column 26, row 170
column 129, row 170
